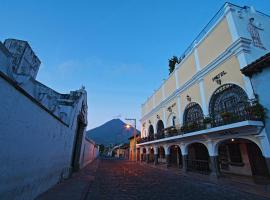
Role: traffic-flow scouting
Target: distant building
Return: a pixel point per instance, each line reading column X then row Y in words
column 202, row 117
column 134, row 156
column 121, row 151
column 42, row 131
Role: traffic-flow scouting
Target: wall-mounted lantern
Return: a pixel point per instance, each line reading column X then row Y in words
column 188, row 98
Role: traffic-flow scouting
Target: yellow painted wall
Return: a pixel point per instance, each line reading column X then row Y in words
column 170, row 86
column 143, row 110
column 215, row 43
column 158, row 96
column 232, row 68
column 150, row 104
column 194, row 93
column 186, row 70
column 174, row 106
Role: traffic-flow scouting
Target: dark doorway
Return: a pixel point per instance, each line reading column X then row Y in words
column 198, row 158
column 151, row 155
column 151, row 132
column 175, row 156
column 75, row 164
column 257, row 160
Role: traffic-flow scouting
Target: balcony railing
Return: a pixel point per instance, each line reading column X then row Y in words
column 251, row 112
column 201, row 166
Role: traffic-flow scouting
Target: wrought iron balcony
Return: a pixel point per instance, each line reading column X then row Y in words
column 251, row 112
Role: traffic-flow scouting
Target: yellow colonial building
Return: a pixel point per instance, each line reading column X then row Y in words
column 205, row 117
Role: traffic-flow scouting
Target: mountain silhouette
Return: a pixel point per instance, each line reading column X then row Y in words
column 111, row 133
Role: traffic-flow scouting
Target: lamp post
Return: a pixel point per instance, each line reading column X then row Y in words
column 134, row 134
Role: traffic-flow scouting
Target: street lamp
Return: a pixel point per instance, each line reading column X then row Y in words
column 134, row 134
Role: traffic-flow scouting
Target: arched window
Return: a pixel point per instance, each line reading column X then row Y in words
column 193, row 113
column 151, row 132
column 228, row 98
column 160, row 126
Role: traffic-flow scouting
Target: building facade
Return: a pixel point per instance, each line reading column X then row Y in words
column 134, row 153
column 42, row 132
column 201, row 118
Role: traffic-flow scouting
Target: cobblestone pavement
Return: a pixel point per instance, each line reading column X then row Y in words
column 123, row 180
column 118, row 179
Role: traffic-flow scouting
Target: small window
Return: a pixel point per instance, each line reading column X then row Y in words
column 173, row 121
column 235, row 153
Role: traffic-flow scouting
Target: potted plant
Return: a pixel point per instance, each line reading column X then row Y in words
column 208, row 122
column 257, row 111
column 226, row 116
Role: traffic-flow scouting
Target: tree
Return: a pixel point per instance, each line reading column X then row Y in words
column 101, row 148
column 172, row 62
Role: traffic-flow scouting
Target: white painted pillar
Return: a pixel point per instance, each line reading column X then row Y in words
column 176, row 78
column 164, row 118
column 203, row 99
column 241, row 56
column 147, row 150
column 231, row 22
column 166, row 149
column 196, row 56
column 265, row 144
column 183, row 148
column 184, row 152
column 180, row 114
column 211, row 148
column 155, row 149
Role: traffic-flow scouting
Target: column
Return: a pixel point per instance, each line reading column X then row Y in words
column 147, row 155
column 214, row 165
column 155, row 155
column 197, row 61
column 202, row 94
column 179, row 110
column 167, row 155
column 184, row 157
column 231, row 23
column 164, row 119
column 141, row 154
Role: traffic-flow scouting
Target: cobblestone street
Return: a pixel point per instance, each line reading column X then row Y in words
column 119, row 179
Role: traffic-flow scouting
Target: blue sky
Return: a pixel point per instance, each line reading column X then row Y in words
column 117, row 49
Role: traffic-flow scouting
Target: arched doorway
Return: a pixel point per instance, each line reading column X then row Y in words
column 193, row 117
column 77, row 143
column 151, row 155
column 227, row 104
column 138, row 154
column 198, row 158
column 175, row 156
column 144, row 155
column 161, row 155
column 242, row 157
column 151, row 132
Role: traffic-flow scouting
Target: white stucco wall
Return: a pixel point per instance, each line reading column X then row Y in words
column 89, row 152
column 260, row 82
column 35, row 147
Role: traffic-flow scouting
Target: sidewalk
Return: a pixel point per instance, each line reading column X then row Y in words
column 244, row 184
column 75, row 188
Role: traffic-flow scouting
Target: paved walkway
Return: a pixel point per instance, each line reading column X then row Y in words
column 118, row 179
